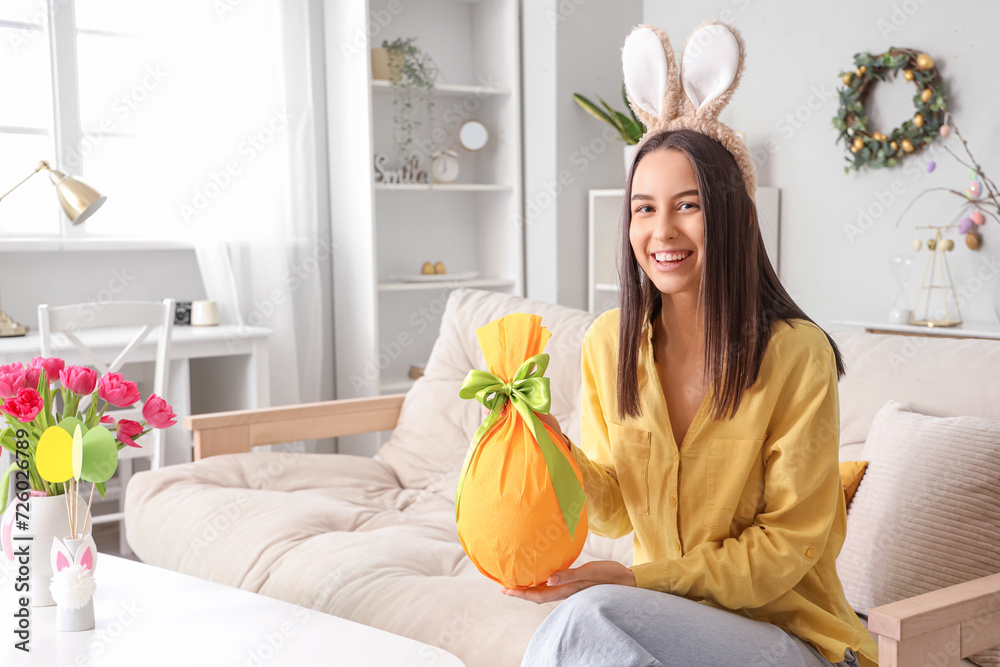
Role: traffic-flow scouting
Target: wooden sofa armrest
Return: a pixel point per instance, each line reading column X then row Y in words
column 238, row 431
column 941, row 627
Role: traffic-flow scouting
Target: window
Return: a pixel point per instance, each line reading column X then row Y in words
column 168, row 108
column 26, row 118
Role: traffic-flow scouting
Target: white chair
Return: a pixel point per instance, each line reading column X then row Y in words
column 149, row 316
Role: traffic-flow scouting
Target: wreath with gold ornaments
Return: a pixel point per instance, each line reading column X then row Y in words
column 870, row 147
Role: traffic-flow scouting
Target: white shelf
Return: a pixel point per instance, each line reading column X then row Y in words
column 606, row 287
column 447, row 284
column 385, row 325
column 383, row 86
column 967, row 329
column 446, row 187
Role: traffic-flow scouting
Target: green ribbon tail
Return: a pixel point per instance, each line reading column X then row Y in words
column 569, row 491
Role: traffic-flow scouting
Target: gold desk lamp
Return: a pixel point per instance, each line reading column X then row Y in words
column 78, row 200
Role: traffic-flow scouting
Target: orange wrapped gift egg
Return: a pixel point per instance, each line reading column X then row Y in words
column 520, row 507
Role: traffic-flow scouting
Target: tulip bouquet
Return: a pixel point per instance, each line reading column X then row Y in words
column 41, row 403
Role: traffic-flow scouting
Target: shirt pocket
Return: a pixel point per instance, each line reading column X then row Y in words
column 630, row 448
column 735, row 481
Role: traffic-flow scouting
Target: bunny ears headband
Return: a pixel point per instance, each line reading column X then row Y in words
column 711, row 68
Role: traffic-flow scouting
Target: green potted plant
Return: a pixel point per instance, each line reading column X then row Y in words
column 412, row 77
column 630, row 129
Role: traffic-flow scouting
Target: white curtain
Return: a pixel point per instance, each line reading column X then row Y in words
column 216, row 136
column 281, row 262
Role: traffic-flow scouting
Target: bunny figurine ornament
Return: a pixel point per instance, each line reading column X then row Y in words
column 664, row 99
column 73, row 585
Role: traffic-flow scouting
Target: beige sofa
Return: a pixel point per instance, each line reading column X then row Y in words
column 373, row 539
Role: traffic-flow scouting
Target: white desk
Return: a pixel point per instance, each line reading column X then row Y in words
column 146, row 615
column 245, row 384
column 967, row 329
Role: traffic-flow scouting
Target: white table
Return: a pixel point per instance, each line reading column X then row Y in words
column 967, row 329
column 147, row 615
column 245, row 384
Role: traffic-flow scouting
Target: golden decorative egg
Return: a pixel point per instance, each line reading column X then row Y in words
column 924, row 62
column 972, row 240
column 947, row 244
column 894, row 145
column 859, row 143
column 439, row 268
column 917, row 244
column 862, row 69
column 918, row 120
column 427, row 269
column 907, row 146
column 931, row 244
column 846, row 79
column 926, row 95
column 908, row 74
column 854, row 149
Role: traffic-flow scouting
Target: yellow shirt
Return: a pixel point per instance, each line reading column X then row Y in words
column 749, row 514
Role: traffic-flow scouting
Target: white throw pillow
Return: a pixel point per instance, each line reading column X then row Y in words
column 927, row 513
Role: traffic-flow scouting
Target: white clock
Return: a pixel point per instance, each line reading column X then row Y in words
column 444, row 166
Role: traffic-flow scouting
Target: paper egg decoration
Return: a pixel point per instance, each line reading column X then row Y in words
column 519, row 508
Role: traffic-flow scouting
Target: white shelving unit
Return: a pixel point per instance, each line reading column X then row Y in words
column 604, row 227
column 384, row 325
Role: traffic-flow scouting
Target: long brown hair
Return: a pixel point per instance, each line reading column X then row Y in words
column 739, row 293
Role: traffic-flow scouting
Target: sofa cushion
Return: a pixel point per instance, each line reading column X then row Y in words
column 851, row 473
column 927, row 513
column 435, row 426
column 945, row 377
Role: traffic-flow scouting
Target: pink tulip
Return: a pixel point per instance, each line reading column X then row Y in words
column 31, row 376
column 12, row 378
column 108, row 419
column 25, row 407
column 157, row 413
column 117, row 391
column 128, row 429
column 52, row 366
column 79, row 379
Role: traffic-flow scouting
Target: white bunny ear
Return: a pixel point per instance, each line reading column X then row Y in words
column 59, row 556
column 710, row 67
column 86, row 554
column 650, row 75
column 644, row 64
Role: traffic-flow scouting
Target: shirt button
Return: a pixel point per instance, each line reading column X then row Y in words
column 810, row 553
column 678, row 545
column 673, row 501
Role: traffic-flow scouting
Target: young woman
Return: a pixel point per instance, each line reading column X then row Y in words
column 710, row 428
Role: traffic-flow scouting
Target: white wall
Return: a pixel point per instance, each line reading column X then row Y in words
column 569, row 46
column 835, row 262
column 29, row 278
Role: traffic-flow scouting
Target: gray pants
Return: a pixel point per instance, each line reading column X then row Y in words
column 621, row 626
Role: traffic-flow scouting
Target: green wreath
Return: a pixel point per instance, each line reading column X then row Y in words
column 872, row 148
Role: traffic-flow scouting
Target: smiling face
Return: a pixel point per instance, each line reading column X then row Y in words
column 666, row 229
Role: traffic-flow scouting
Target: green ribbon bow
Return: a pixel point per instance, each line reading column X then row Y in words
column 528, row 392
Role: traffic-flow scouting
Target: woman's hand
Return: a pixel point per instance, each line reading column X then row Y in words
column 552, row 423
column 564, row 583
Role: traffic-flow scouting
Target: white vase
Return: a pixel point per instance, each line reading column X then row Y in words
column 630, row 150
column 48, row 518
column 80, row 618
